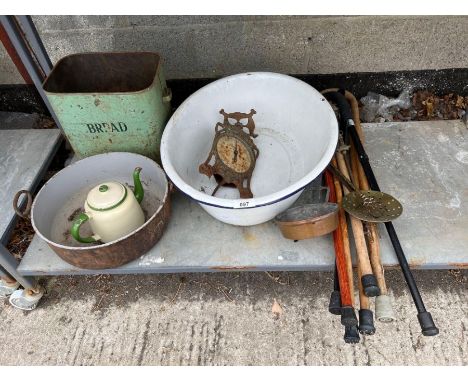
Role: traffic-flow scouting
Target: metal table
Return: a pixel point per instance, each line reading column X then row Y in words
column 423, row 164
column 25, row 155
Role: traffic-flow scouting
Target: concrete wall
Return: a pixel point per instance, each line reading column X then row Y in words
column 210, row 46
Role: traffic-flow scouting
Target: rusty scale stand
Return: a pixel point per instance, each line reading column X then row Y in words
column 234, row 153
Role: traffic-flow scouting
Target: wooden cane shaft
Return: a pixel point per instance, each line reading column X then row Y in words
column 373, row 248
column 363, row 183
column 345, row 234
column 347, row 251
column 357, row 227
column 344, row 281
column 344, row 170
column 373, row 245
column 358, row 171
column 363, row 299
column 374, row 254
column 361, row 246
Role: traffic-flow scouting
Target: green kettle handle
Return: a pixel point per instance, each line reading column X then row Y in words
column 75, row 229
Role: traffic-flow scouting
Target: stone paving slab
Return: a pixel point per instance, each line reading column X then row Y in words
column 23, row 154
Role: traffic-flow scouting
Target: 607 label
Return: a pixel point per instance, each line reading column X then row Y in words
column 243, row 204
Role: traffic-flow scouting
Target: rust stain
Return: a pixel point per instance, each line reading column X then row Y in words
column 250, row 239
column 249, row 236
column 234, row 268
column 417, row 262
column 390, row 266
column 458, row 265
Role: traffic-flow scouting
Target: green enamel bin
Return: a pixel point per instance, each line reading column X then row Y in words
column 110, row 102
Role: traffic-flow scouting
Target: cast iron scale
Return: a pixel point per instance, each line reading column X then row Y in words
column 234, row 152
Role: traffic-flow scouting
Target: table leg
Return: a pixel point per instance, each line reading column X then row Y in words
column 10, row 264
column 4, row 274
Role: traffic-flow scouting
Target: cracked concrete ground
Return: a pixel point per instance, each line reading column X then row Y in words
column 226, row 319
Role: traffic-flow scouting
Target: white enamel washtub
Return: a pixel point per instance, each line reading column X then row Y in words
column 297, row 136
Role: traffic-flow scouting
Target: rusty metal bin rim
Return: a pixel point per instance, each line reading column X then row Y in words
column 60, row 63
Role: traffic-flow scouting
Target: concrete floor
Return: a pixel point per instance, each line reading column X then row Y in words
column 226, row 319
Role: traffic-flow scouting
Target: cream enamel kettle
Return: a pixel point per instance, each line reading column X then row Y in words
column 113, row 211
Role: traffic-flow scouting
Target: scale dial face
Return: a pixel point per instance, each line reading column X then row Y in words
column 234, row 153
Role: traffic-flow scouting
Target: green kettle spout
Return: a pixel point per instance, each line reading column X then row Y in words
column 138, row 188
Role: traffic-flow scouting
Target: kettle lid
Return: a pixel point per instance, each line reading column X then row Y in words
column 106, row 196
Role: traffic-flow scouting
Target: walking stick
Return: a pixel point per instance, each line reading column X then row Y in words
column 424, row 317
column 366, row 316
column 348, row 315
column 368, row 280
column 344, row 233
column 383, row 305
column 351, row 335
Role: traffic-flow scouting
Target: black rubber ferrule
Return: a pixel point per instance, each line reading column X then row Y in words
column 348, row 316
column 351, row 335
column 366, row 322
column 334, row 307
column 369, row 284
column 427, row 324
